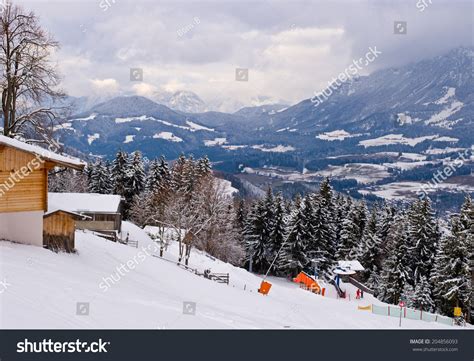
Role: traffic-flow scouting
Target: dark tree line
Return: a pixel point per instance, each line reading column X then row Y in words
column 406, row 251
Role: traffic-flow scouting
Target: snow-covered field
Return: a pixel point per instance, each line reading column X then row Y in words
column 402, row 190
column 129, row 288
column 362, row 172
column 340, row 134
column 391, row 139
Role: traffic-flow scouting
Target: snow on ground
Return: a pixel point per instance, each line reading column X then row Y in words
column 226, row 188
column 361, row 172
column 130, row 119
column 406, row 165
column 403, row 119
column 194, row 126
column 127, row 287
column 287, row 129
column 92, row 137
column 129, row 138
column 63, row 126
column 277, row 149
column 450, row 92
column 399, row 156
column 435, row 151
column 440, row 119
column 234, row 147
column 167, row 136
column 391, row 139
column 90, row 117
column 336, row 135
column 215, row 141
column 446, row 139
column 401, row 190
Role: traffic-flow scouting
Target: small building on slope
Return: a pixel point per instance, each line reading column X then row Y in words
column 24, row 188
column 102, row 212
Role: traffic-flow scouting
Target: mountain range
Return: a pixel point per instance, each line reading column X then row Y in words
column 413, row 109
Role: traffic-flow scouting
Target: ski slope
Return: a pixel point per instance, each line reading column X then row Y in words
column 43, row 288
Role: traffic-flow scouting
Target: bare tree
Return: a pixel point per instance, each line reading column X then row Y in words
column 29, row 80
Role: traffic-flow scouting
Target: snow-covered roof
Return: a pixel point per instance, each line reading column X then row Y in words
column 74, row 214
column 350, row 265
column 42, row 152
column 83, row 202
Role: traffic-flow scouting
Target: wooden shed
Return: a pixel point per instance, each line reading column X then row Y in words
column 59, row 229
column 103, row 211
column 24, row 188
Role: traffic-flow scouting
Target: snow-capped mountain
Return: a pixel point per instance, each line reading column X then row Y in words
column 424, row 110
column 435, row 95
column 183, row 101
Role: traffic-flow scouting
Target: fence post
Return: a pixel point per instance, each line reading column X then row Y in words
column 421, row 314
column 388, row 310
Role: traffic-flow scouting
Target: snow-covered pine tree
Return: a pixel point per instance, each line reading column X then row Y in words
column 120, row 173
column 370, row 245
column 256, row 238
column 294, row 253
column 350, row 234
column 396, row 270
column 164, row 175
column 321, row 242
column 339, row 213
column 361, row 217
column 329, row 215
column 137, row 176
column 279, row 227
column 452, row 273
column 177, row 181
column 374, row 280
column 93, row 177
column 408, row 295
column 422, row 299
column 99, row 178
column 189, row 177
column 203, row 167
column 424, row 238
column 153, row 178
column 386, row 220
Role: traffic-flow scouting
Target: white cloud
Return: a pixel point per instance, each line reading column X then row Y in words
column 105, row 86
column 291, row 48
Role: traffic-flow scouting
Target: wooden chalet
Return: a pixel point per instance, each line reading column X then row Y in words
column 24, row 189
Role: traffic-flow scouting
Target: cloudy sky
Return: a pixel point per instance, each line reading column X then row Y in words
column 290, row 48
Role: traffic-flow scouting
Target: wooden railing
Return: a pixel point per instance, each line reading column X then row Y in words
column 219, row 277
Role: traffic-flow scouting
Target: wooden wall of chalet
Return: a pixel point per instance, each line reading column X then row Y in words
column 58, row 231
column 30, row 193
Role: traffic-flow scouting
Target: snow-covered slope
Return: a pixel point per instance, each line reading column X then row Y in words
column 148, row 292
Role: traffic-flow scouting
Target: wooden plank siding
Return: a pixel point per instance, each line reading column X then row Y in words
column 12, row 159
column 23, row 181
column 28, row 194
column 58, row 231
